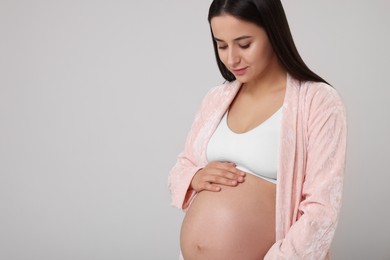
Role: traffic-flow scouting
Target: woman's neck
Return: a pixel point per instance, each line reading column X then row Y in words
column 273, row 79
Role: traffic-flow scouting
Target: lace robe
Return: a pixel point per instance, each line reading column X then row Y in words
column 310, row 168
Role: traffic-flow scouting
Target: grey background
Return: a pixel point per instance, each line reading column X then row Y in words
column 96, row 98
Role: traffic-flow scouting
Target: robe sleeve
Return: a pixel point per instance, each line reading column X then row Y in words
column 188, row 161
column 311, row 235
column 180, row 179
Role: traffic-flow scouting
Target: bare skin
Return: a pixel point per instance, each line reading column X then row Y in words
column 233, row 214
column 234, row 223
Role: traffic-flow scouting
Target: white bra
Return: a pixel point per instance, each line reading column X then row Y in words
column 255, row 152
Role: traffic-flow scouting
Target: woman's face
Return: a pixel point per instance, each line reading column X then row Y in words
column 243, row 47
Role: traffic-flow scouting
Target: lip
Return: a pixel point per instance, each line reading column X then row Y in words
column 239, row 72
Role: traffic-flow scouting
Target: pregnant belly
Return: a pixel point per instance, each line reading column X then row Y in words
column 235, row 223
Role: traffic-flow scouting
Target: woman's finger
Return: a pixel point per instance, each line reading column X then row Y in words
column 217, row 179
column 210, row 187
column 218, row 172
column 226, row 166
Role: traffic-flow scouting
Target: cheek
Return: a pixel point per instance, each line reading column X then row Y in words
column 222, row 56
column 260, row 56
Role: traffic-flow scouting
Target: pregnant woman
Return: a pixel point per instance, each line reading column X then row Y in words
column 261, row 174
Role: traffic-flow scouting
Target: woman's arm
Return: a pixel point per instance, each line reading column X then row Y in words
column 183, row 171
column 179, row 181
column 311, row 235
column 190, row 162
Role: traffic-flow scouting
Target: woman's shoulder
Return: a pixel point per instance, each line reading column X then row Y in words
column 222, row 91
column 224, row 88
column 320, row 93
column 322, row 101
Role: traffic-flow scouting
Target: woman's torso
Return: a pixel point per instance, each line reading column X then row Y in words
column 237, row 222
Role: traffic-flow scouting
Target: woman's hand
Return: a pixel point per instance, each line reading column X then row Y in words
column 215, row 174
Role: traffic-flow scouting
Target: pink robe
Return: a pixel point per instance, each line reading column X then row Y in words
column 310, row 167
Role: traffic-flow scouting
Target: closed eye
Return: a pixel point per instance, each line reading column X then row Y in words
column 245, row 46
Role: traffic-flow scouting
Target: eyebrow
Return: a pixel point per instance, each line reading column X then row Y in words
column 236, row 39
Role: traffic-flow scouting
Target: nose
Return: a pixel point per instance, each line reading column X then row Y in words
column 233, row 58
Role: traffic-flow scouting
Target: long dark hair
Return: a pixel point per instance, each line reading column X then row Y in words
column 269, row 15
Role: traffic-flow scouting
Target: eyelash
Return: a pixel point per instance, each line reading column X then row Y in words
column 241, row 46
column 245, row 46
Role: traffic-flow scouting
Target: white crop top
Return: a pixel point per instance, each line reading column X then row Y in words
column 255, row 151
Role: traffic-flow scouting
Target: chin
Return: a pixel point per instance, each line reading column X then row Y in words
column 242, row 79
